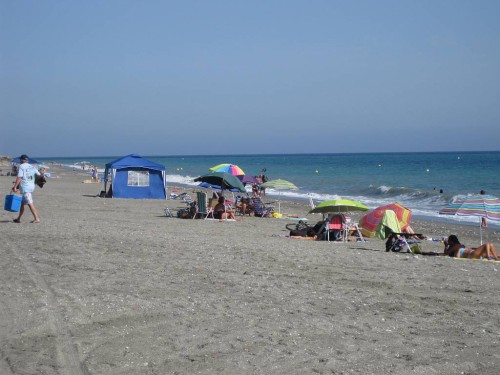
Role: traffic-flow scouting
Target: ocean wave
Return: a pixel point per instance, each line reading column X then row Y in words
column 351, row 176
column 179, row 179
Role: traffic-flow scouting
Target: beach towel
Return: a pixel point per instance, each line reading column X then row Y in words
column 388, row 224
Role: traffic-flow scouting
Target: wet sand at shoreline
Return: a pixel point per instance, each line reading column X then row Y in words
column 112, row 286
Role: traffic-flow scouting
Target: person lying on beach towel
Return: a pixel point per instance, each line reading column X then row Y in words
column 453, row 248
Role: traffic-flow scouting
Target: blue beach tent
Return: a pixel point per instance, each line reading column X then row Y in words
column 132, row 176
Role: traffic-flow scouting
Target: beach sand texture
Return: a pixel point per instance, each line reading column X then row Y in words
column 112, row 286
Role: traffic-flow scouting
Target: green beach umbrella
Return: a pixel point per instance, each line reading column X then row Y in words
column 279, row 184
column 338, row 206
column 225, row 180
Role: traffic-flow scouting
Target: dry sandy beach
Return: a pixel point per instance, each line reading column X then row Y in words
column 112, row 286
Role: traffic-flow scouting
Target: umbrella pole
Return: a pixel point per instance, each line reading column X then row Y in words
column 480, row 230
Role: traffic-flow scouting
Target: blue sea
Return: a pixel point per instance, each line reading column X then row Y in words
column 423, row 182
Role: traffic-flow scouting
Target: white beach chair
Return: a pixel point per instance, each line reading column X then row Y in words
column 350, row 226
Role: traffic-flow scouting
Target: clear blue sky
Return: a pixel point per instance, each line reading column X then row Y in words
column 99, row 78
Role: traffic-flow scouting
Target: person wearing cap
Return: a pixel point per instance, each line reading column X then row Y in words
column 25, row 183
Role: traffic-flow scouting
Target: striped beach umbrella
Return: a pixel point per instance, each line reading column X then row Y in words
column 228, row 168
column 482, row 206
column 279, row 185
column 371, row 220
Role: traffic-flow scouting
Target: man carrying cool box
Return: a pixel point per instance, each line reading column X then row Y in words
column 26, row 182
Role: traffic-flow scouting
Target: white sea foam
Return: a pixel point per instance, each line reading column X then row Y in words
column 384, row 189
column 426, row 208
column 352, row 177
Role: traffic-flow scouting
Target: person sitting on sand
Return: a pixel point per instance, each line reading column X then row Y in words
column 220, row 211
column 245, row 205
column 453, row 248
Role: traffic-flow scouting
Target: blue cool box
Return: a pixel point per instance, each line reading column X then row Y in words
column 12, row 202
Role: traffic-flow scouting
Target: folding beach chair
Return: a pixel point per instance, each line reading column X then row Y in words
column 331, row 227
column 187, row 199
column 336, row 226
column 260, row 208
column 168, row 213
column 352, row 227
column 397, row 242
column 237, row 205
column 177, row 196
column 202, row 207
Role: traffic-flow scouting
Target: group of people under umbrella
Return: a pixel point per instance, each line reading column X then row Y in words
column 232, row 178
column 380, row 222
column 393, row 221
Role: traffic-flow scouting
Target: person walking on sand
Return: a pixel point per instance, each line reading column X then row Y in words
column 25, row 183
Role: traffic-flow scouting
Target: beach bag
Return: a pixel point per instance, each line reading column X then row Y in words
column 183, row 213
column 303, row 232
column 394, row 243
column 40, row 180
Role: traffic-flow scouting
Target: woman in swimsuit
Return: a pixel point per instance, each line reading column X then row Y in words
column 221, row 213
column 453, row 248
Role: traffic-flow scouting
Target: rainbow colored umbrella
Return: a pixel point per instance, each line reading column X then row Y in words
column 228, row 168
column 371, row 220
column 487, row 206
